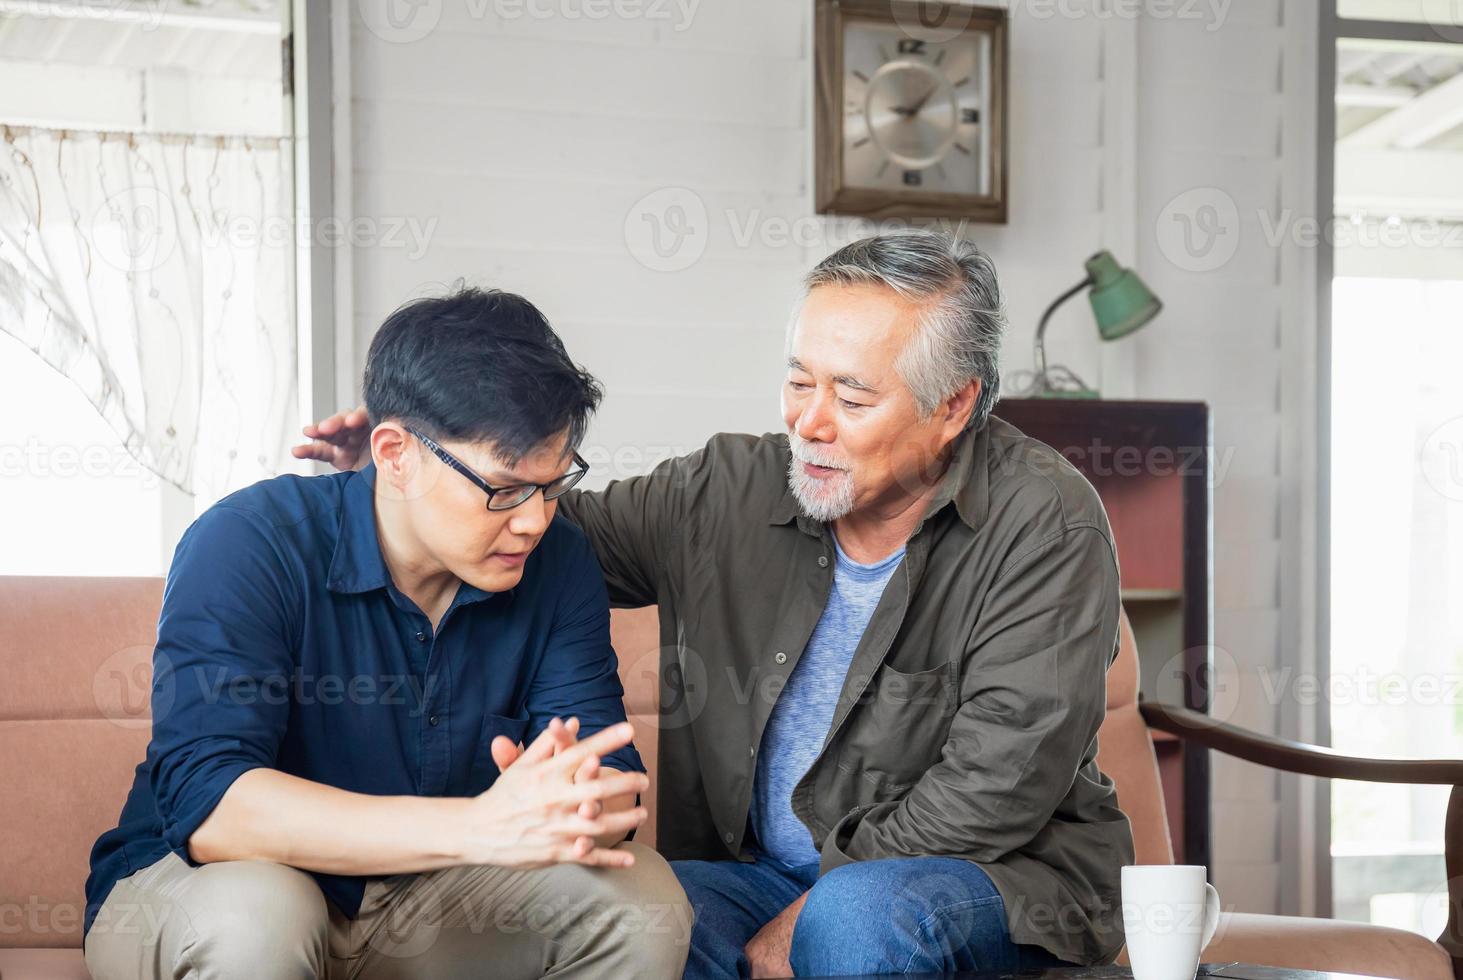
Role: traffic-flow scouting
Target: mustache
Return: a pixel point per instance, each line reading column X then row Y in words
column 804, row 452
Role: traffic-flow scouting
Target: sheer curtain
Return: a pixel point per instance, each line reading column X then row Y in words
column 155, row 272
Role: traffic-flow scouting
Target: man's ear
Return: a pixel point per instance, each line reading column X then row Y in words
column 393, row 450
column 958, row 408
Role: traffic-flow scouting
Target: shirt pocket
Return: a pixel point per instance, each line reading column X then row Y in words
column 484, row 770
column 898, row 728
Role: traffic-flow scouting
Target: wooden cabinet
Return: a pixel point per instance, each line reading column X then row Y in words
column 1150, row 463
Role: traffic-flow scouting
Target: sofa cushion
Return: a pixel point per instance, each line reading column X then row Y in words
column 74, row 724
column 66, row 780
column 635, row 634
column 42, row 964
column 87, row 646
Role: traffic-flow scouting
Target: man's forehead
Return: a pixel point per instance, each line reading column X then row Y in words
column 860, row 323
column 490, row 459
column 862, row 353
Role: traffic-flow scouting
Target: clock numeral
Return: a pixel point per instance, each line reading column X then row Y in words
column 913, row 178
column 911, row 45
column 970, row 117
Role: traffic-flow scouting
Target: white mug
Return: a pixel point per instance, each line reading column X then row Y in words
column 1170, row 913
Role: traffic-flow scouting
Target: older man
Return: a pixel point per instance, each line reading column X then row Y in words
column 886, row 639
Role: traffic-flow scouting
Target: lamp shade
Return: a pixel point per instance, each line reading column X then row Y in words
column 1120, row 301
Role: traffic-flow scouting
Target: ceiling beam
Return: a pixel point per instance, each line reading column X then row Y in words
column 1385, row 68
column 1426, row 117
column 148, row 13
column 1349, row 60
column 1374, row 96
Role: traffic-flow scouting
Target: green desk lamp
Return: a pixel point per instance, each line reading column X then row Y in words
column 1120, row 303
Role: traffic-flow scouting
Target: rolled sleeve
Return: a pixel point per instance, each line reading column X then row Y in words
column 578, row 675
column 222, row 669
column 1032, row 696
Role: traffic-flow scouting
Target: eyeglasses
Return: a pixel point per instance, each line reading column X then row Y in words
column 506, row 498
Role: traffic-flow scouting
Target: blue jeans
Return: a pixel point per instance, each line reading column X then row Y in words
column 899, row 915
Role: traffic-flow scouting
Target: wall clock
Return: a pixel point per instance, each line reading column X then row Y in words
column 911, row 109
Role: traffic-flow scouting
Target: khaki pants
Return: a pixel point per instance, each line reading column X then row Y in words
column 260, row 920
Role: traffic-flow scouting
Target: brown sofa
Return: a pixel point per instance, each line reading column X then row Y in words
column 74, row 723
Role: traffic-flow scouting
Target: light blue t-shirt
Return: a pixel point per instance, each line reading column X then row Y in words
column 804, row 712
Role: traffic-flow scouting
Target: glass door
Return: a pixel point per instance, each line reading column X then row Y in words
column 1396, row 448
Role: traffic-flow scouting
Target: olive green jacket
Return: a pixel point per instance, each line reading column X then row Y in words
column 967, row 725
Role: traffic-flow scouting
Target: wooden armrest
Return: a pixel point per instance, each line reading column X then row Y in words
column 1297, row 757
column 1317, row 760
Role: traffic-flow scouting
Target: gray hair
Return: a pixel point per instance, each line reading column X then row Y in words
column 959, row 336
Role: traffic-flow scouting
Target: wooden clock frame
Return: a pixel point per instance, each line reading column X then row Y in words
column 832, row 196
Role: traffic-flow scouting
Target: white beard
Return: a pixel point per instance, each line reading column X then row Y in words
column 826, row 499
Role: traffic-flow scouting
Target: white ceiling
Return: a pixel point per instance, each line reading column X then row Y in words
column 1399, row 131
column 1399, row 97
column 223, row 38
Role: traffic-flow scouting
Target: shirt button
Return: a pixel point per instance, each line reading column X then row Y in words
column 752, row 751
column 781, row 657
column 822, row 561
column 421, row 638
column 433, row 721
column 729, row 837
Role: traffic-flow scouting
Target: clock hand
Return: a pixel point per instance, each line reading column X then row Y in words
column 912, row 111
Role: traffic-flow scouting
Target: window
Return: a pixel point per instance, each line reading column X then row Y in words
column 75, row 501
column 1396, row 456
column 117, row 75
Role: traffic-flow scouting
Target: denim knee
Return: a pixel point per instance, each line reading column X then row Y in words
column 901, row 914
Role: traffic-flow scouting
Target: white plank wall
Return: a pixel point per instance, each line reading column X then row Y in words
column 527, row 141
column 1211, row 105
column 523, row 144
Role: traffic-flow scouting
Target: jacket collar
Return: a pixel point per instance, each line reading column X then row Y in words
column 967, row 480
column 966, row 483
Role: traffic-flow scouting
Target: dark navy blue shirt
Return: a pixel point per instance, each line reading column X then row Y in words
column 284, row 644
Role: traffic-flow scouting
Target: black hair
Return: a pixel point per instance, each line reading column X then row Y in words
column 480, row 366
